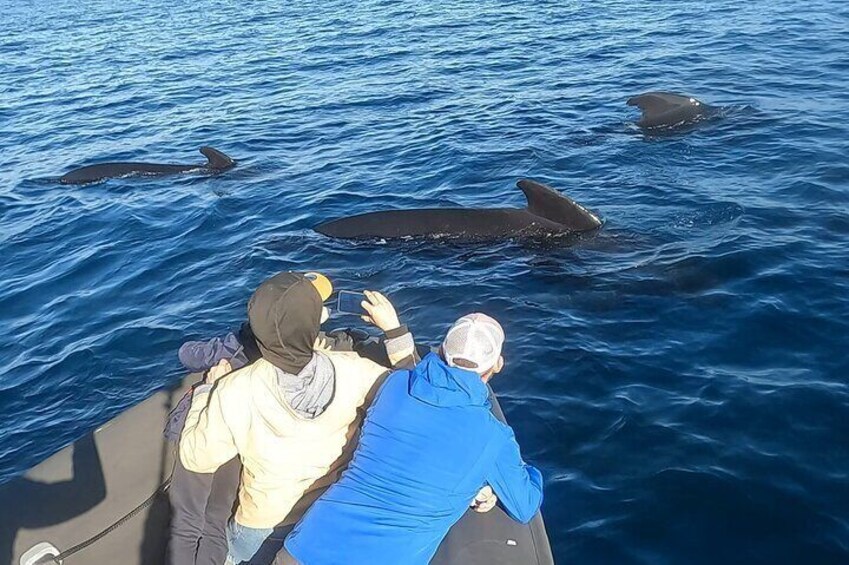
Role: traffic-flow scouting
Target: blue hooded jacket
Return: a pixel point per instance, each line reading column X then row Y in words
column 428, row 445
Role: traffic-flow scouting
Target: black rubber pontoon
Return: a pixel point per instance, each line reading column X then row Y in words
column 89, row 485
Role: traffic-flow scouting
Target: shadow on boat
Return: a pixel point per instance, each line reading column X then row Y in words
column 35, row 504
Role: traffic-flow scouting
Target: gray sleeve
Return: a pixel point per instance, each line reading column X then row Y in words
column 400, row 348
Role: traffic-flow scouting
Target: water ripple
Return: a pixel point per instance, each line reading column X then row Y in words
column 679, row 376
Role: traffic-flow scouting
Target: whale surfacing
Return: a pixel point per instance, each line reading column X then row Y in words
column 668, row 110
column 217, row 162
column 548, row 213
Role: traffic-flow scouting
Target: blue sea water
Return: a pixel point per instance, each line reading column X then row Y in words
column 680, row 377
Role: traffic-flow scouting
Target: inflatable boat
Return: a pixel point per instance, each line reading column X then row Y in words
column 103, row 500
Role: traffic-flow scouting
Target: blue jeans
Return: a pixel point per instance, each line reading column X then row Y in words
column 256, row 546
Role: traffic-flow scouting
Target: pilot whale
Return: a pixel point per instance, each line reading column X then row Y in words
column 548, row 213
column 217, row 162
column 668, row 110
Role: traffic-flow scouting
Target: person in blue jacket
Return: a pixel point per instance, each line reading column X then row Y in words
column 429, row 449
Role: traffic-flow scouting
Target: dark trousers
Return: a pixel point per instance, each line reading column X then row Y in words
column 201, row 506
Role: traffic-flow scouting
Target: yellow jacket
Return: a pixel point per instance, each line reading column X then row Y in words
column 287, row 460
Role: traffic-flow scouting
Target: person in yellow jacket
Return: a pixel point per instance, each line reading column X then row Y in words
column 293, row 416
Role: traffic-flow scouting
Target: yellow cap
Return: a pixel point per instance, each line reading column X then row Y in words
column 321, row 283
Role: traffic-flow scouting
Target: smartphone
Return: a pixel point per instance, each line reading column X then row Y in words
column 351, row 303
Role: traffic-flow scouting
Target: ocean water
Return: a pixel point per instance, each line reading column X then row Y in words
column 680, row 377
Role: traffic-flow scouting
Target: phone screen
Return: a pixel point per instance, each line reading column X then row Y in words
column 350, row 302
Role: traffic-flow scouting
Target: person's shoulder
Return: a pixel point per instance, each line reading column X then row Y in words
column 350, row 361
column 238, row 382
column 499, row 431
column 398, row 379
column 336, row 354
column 365, row 372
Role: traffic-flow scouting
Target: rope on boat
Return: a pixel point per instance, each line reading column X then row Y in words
column 163, row 488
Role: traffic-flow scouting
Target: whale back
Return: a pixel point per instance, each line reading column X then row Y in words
column 449, row 223
column 545, row 202
column 663, row 109
column 216, row 163
column 548, row 213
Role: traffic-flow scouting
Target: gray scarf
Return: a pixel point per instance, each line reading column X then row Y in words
column 310, row 392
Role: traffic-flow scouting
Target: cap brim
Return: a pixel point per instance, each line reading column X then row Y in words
column 321, row 283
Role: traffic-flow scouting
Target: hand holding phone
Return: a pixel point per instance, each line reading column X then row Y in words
column 371, row 306
column 349, row 302
column 381, row 313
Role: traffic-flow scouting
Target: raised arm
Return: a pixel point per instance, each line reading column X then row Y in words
column 400, row 347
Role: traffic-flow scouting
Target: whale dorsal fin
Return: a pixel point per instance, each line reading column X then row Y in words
column 654, row 104
column 218, row 161
column 550, row 204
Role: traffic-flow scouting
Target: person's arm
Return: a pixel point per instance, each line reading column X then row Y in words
column 517, row 484
column 400, row 347
column 207, row 441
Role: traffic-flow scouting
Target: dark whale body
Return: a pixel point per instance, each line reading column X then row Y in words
column 668, row 110
column 548, row 213
column 217, row 162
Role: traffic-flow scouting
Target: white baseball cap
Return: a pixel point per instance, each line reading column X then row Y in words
column 475, row 340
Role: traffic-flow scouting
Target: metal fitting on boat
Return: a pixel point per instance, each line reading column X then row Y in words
column 40, row 554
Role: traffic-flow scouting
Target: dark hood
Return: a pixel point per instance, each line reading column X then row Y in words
column 434, row 382
column 284, row 316
column 248, row 342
